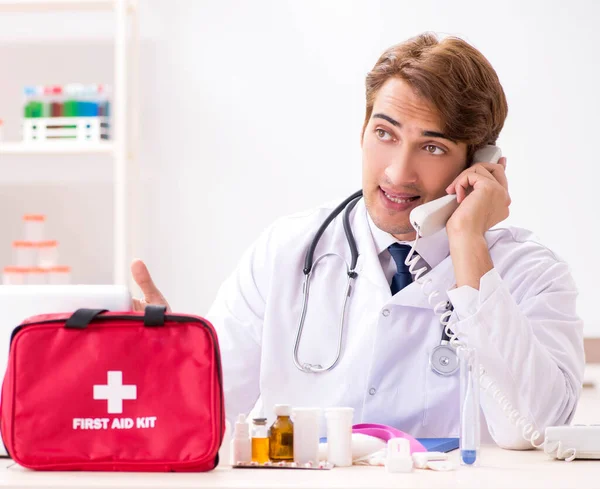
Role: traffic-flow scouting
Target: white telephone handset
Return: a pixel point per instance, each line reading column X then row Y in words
column 429, row 218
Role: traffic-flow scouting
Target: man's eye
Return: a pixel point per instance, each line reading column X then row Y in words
column 383, row 134
column 434, row 150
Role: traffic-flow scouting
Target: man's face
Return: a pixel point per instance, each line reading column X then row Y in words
column 407, row 161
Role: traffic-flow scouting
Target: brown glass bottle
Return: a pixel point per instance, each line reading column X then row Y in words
column 281, row 435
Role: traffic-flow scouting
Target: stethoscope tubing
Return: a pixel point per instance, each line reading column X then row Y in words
column 348, row 205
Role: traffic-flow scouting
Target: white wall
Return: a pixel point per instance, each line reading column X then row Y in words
column 253, row 110
column 258, row 108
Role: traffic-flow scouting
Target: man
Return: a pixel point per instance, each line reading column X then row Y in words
column 430, row 105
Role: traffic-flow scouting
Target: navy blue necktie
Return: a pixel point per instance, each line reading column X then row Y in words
column 402, row 277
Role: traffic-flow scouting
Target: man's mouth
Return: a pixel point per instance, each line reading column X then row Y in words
column 400, row 198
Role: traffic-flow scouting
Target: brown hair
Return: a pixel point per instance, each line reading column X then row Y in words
column 452, row 75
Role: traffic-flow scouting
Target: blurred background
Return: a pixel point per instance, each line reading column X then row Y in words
column 239, row 112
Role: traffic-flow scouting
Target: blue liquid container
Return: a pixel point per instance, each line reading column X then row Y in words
column 470, row 430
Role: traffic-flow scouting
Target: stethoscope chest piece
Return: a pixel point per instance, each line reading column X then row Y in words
column 444, row 360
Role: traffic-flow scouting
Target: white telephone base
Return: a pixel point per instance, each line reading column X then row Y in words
column 583, row 439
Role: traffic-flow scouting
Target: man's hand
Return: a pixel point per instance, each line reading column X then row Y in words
column 482, row 192
column 152, row 295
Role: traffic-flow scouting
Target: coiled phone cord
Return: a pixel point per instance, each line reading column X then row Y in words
column 528, row 431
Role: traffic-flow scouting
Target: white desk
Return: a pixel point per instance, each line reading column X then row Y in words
column 499, row 469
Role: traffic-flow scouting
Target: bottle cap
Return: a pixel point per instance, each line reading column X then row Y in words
column 34, row 217
column 339, row 412
column 242, row 429
column 283, row 409
column 45, row 244
column 38, row 270
column 59, row 269
column 306, row 412
column 16, row 269
column 260, row 421
column 23, row 244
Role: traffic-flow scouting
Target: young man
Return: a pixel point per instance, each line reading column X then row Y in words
column 430, row 105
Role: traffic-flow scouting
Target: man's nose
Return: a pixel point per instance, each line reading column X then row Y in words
column 402, row 168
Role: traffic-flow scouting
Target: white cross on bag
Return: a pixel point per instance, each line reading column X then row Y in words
column 115, row 392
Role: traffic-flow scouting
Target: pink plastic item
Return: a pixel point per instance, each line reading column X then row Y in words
column 386, row 433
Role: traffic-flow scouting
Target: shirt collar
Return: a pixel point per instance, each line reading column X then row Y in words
column 432, row 249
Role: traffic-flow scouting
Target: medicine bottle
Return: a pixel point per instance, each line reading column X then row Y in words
column 260, row 440
column 306, row 435
column 281, row 435
column 339, row 435
column 241, row 449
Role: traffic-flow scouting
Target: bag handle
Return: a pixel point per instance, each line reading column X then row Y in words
column 81, row 318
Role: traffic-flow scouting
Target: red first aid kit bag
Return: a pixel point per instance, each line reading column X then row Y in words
column 114, row 391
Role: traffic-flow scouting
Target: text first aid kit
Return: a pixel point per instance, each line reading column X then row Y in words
column 114, row 392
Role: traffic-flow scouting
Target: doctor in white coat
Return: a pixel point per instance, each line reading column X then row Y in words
column 430, row 105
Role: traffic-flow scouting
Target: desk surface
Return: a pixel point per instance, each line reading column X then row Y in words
column 499, row 469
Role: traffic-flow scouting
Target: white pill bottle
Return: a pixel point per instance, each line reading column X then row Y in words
column 339, row 435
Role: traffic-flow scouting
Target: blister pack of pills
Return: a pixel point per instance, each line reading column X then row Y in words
column 284, row 465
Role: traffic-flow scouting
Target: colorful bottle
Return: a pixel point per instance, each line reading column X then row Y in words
column 281, row 435
column 260, row 440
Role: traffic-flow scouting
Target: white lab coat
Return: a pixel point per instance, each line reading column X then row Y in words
column 522, row 321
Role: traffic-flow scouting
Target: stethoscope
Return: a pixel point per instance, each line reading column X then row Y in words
column 443, row 359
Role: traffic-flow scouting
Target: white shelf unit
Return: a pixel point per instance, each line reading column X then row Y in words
column 121, row 148
column 56, row 5
column 56, row 148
